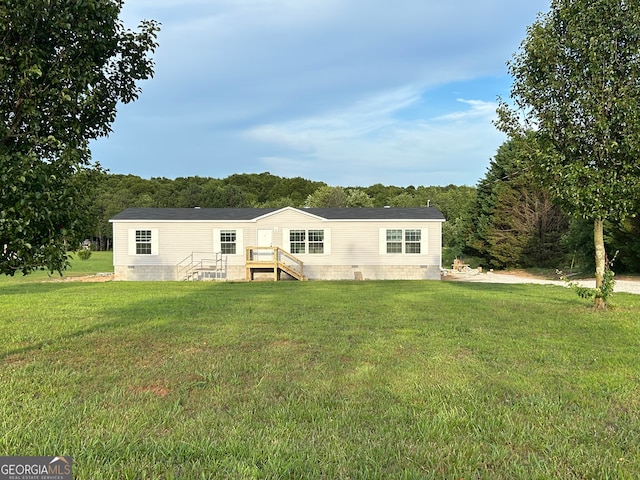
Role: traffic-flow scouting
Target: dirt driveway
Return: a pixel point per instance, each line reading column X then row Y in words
column 623, row 284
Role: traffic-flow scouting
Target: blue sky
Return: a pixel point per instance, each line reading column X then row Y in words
column 348, row 92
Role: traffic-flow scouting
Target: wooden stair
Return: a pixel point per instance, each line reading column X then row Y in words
column 272, row 260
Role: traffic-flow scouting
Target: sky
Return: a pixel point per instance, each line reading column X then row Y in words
column 346, row 92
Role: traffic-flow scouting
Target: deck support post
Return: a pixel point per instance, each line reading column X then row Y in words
column 257, row 259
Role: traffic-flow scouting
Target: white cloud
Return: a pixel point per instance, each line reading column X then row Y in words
column 479, row 109
column 367, row 117
column 372, row 136
column 331, row 90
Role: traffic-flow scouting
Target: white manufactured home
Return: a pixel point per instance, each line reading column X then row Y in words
column 287, row 243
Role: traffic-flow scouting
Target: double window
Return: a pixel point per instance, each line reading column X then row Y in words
column 306, row 241
column 398, row 240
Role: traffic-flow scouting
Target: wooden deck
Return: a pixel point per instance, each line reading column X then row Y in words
column 272, row 260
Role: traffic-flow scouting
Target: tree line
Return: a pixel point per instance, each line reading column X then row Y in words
column 111, row 193
column 506, row 221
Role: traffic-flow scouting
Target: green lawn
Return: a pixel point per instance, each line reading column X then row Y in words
column 320, row 380
column 99, row 262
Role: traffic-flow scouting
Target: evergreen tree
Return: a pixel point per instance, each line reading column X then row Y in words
column 576, row 79
column 515, row 224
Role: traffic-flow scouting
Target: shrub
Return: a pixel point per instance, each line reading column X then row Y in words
column 84, row 254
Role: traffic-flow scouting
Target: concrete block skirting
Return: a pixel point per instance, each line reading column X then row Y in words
column 142, row 273
column 236, row 273
column 372, row 272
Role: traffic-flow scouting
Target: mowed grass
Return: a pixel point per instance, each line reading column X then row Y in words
column 320, row 380
column 99, row 262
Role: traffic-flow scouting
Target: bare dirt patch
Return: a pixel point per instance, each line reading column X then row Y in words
column 627, row 284
column 156, row 390
column 98, row 277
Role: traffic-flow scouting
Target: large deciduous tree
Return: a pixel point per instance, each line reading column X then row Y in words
column 64, row 67
column 327, row 197
column 577, row 82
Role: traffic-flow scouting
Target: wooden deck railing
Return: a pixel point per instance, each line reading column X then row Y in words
column 272, row 259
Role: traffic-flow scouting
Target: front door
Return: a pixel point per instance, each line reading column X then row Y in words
column 265, row 239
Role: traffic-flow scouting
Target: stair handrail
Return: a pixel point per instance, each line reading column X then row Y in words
column 189, row 264
column 280, row 258
column 294, row 263
column 183, row 270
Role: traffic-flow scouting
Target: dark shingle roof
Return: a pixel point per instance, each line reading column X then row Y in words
column 198, row 214
column 239, row 214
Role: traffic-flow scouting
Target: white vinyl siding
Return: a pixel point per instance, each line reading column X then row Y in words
column 348, row 246
column 228, row 241
column 143, row 241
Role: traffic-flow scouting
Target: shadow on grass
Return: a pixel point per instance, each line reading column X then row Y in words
column 351, row 367
column 171, row 309
column 151, row 309
column 39, row 287
column 74, row 302
column 524, row 290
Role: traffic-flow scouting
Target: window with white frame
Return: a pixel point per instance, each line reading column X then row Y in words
column 298, row 241
column 394, row 241
column 228, row 239
column 316, row 241
column 308, row 241
column 410, row 241
column 143, row 242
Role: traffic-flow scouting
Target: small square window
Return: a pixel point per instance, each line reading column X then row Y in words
column 412, row 235
column 394, row 247
column 412, row 248
column 316, row 235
